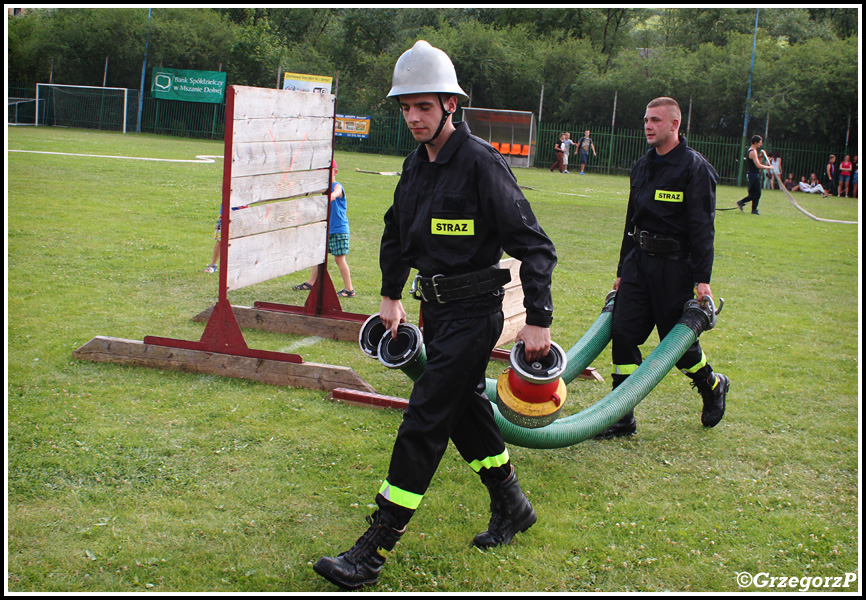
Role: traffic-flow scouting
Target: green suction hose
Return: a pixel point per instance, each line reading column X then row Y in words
column 595, row 419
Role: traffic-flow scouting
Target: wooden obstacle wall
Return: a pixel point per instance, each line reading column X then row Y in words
column 281, row 152
column 276, row 165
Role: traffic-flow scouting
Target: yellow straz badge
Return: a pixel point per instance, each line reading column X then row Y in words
column 452, row 227
column 666, row 196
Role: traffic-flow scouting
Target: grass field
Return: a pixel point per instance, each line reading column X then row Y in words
column 127, row 479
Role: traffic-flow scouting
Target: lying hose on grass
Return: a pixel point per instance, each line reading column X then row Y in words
column 800, row 208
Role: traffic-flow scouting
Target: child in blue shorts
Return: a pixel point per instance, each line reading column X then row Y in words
column 338, row 238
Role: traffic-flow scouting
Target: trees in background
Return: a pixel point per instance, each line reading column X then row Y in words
column 805, row 82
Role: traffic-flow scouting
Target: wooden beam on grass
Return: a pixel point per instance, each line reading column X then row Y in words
column 291, row 323
column 273, row 372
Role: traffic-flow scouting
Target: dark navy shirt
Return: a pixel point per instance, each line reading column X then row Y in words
column 457, row 214
column 674, row 195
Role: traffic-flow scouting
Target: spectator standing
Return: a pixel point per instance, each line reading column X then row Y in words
column 845, row 169
column 776, row 163
column 567, row 143
column 558, row 153
column 829, row 175
column 584, row 145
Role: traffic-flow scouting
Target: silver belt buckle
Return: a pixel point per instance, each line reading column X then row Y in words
column 417, row 290
column 436, row 289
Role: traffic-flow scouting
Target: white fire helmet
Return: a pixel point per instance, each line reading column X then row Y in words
column 424, row 69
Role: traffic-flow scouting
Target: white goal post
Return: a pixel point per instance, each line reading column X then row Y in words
column 88, row 107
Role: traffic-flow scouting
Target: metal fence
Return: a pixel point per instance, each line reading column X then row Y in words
column 617, row 150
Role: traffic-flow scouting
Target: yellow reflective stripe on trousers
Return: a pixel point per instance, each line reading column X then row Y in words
column 625, row 369
column 490, row 462
column 698, row 366
column 400, row 497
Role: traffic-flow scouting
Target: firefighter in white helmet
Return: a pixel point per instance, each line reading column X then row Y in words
column 456, row 208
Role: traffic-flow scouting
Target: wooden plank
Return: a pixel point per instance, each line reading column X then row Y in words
column 278, row 215
column 372, row 400
column 257, row 258
column 510, row 329
column 136, row 353
column 259, row 158
column 275, row 186
column 255, row 102
column 282, row 129
column 591, row 374
column 512, row 304
column 291, row 323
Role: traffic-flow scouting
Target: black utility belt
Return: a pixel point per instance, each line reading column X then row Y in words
column 442, row 289
column 656, row 244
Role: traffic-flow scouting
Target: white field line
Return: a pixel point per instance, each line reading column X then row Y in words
column 204, row 158
column 301, row 343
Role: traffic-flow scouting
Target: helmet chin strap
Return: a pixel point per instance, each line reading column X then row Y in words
column 445, row 115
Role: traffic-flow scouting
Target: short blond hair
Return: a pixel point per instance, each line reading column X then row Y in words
column 672, row 105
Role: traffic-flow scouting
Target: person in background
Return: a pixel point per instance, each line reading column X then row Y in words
column 584, row 145
column 845, row 169
column 776, row 163
column 829, row 175
column 566, row 150
column 754, row 167
column 559, row 154
column 338, row 238
column 812, row 186
column 213, row 267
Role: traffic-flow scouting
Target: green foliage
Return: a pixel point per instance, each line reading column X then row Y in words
column 124, row 479
column 805, row 77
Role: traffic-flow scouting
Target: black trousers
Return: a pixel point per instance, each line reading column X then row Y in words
column 447, row 402
column 754, row 192
column 652, row 293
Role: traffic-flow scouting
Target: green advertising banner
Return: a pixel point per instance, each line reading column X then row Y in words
column 192, row 86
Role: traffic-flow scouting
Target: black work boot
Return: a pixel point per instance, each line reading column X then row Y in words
column 713, row 388
column 360, row 565
column 626, row 425
column 510, row 510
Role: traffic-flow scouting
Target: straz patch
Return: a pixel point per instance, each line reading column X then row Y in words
column 666, row 196
column 452, row 227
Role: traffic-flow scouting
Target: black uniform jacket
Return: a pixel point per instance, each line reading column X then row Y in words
column 674, row 195
column 457, row 214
